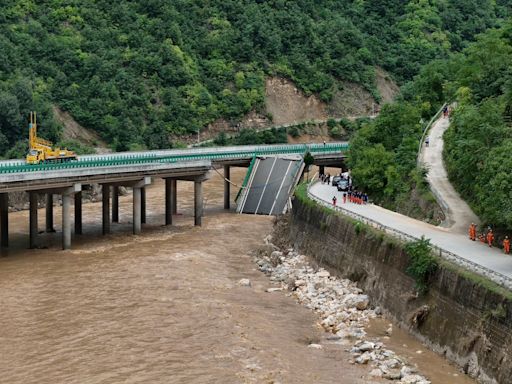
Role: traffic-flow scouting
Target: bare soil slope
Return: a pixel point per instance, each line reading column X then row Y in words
column 287, row 104
column 74, row 131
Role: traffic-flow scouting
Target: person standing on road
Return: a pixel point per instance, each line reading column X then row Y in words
column 334, row 200
column 427, row 141
column 472, row 232
column 344, row 197
column 490, row 237
column 506, row 245
column 445, row 111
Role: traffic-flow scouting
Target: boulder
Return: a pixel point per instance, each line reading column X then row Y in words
column 244, row 282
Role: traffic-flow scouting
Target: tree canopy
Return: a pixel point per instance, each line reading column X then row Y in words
column 141, row 71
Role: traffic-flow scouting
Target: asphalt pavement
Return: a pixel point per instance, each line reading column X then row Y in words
column 457, row 243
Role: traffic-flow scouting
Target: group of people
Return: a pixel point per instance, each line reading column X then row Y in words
column 355, row 197
column 488, row 238
column 325, row 178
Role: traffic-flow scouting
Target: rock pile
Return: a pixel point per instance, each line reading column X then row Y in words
column 342, row 307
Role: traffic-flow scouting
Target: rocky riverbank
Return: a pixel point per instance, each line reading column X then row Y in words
column 342, row 307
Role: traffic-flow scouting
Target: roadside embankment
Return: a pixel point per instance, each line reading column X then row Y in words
column 462, row 316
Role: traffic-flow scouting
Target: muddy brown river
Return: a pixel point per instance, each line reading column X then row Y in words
column 164, row 306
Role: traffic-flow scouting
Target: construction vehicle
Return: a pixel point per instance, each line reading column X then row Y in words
column 42, row 151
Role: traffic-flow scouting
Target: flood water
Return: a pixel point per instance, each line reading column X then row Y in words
column 161, row 307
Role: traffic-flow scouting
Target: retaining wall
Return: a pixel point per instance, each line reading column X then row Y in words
column 458, row 317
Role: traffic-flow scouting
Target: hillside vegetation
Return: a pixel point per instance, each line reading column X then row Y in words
column 478, row 145
column 138, row 72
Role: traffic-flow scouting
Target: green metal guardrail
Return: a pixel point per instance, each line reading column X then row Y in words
column 134, row 159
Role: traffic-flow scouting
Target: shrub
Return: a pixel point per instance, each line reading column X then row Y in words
column 422, row 263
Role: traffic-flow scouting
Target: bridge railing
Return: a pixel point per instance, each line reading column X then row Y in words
column 173, row 157
column 495, row 276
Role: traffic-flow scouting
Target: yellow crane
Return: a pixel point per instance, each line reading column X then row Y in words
column 42, row 151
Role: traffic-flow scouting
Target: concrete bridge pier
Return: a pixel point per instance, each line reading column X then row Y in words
column 143, row 205
column 115, row 204
column 4, row 220
column 170, row 195
column 137, row 204
column 33, row 223
column 78, row 213
column 49, row 213
column 174, row 187
column 105, row 198
column 198, row 201
column 227, row 186
column 67, row 196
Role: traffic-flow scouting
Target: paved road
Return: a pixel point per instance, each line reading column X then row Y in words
column 457, row 243
column 458, row 213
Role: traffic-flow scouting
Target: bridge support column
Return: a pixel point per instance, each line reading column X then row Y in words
column 143, row 205
column 137, row 210
column 321, row 170
column 169, row 196
column 67, row 195
column 78, row 213
column 137, row 203
column 49, row 212
column 4, row 220
column 115, row 204
column 198, row 202
column 66, row 221
column 106, row 208
column 174, row 189
column 227, row 186
column 33, row 228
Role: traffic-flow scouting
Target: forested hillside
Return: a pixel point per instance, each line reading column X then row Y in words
column 478, row 145
column 138, row 71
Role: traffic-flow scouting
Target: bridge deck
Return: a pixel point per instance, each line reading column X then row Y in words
column 219, row 155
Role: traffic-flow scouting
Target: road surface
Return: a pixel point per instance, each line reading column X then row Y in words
column 457, row 243
column 458, row 213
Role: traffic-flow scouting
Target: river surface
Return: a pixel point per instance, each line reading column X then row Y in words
column 161, row 307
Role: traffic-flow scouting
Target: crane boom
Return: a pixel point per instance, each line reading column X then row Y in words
column 41, row 150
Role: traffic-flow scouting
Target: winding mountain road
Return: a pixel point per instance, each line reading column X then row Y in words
column 457, row 212
column 451, row 236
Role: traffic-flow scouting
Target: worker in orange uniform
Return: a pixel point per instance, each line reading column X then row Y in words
column 472, row 232
column 490, row 237
column 506, row 245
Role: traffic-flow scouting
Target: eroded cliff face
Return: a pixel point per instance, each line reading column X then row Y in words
column 459, row 318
